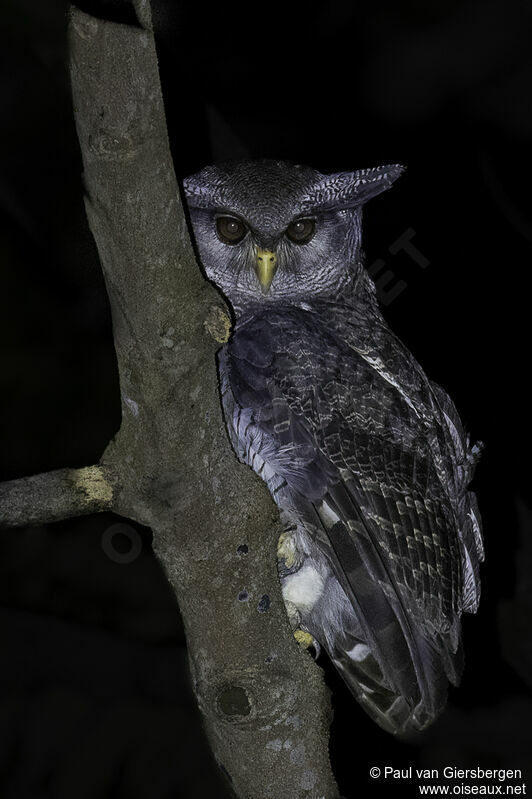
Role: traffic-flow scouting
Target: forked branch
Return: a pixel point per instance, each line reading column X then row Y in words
column 215, row 527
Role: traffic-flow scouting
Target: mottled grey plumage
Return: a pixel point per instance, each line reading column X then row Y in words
column 365, row 457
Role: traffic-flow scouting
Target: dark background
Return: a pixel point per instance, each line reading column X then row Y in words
column 94, row 700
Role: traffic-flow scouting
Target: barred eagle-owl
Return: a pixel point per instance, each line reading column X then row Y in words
column 365, row 457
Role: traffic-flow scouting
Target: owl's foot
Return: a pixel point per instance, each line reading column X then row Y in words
column 308, row 642
column 304, row 639
column 286, row 549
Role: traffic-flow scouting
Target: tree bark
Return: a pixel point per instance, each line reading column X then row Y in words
column 52, row 496
column 215, row 527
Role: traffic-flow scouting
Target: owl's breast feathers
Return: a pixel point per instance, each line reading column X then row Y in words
column 354, row 440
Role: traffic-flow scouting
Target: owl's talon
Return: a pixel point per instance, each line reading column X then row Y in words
column 308, row 642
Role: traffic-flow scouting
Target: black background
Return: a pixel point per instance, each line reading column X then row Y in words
column 94, row 700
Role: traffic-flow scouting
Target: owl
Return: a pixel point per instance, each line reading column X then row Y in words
column 366, row 458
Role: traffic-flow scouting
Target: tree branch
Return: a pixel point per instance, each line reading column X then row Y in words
column 52, row 496
column 215, row 526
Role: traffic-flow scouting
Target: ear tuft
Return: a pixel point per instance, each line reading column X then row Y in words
column 197, row 194
column 205, row 188
column 350, row 189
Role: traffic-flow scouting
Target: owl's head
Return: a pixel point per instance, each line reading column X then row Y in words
column 270, row 231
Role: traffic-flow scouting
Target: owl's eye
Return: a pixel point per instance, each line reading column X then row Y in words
column 301, row 231
column 230, row 230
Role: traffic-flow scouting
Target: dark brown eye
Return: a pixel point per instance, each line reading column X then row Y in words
column 301, row 231
column 230, row 230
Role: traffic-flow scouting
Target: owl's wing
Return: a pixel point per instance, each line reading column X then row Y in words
column 374, row 460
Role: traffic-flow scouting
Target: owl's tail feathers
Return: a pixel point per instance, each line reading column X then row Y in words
column 397, row 678
column 363, row 676
column 401, row 674
column 399, row 713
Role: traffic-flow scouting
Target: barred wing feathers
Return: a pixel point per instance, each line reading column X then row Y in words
column 370, row 458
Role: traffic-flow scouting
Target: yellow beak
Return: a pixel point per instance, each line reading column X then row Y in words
column 265, row 268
